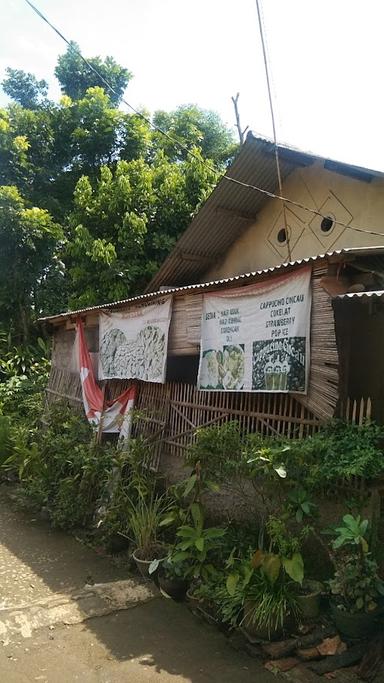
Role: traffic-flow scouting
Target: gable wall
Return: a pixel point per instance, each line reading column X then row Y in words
column 347, row 199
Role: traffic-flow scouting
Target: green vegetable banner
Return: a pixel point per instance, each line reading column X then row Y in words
column 134, row 344
column 256, row 338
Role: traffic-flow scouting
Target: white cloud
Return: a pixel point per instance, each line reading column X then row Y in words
column 325, row 59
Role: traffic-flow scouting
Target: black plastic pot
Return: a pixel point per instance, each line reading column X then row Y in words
column 356, row 625
column 174, row 588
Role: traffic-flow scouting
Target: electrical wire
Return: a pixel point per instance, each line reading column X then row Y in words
column 261, row 31
column 189, row 151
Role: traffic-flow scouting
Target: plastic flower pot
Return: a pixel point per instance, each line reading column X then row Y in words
column 144, row 565
column 309, row 600
column 175, row 588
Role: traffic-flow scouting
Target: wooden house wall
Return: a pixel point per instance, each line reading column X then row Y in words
column 360, row 332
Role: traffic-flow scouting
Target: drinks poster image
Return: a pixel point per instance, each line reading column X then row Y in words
column 279, row 365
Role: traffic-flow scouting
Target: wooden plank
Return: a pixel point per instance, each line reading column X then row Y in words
column 62, row 395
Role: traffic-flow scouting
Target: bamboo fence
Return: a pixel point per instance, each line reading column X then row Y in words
column 169, row 414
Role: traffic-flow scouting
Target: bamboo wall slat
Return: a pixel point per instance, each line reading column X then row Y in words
column 64, row 385
column 169, row 415
column 323, row 389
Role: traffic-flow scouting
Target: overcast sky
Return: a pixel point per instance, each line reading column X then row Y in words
column 326, row 61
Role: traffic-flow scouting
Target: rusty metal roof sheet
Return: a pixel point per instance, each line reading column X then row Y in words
column 231, row 208
column 353, row 251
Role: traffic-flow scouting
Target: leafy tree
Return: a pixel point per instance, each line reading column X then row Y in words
column 122, row 191
column 197, row 127
column 24, row 88
column 75, row 77
column 28, row 240
column 123, row 228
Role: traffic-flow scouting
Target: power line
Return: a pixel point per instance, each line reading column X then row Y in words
column 287, row 236
column 186, row 149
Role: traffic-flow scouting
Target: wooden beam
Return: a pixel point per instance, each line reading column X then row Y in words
column 236, row 213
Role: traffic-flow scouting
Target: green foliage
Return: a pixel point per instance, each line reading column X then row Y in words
column 196, row 545
column 24, row 88
column 122, row 193
column 58, row 466
column 269, row 604
column 126, row 223
column 28, row 238
column 5, row 438
column 75, row 77
column 352, row 532
column 23, row 375
column 196, row 127
column 300, row 505
column 216, row 449
column 171, row 569
column 355, row 585
column 144, row 517
column 338, row 450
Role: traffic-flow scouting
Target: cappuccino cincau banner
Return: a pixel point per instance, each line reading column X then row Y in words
column 257, row 338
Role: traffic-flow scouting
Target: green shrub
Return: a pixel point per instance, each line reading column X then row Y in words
column 5, row 438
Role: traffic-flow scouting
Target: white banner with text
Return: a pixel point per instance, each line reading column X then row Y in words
column 257, row 338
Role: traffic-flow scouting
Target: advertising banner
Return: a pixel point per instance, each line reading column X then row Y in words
column 257, row 338
column 134, row 344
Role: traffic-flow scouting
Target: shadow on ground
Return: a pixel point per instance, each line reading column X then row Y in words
column 161, row 640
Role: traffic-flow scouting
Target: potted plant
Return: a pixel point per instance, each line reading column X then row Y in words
column 356, row 589
column 308, row 597
column 144, row 519
column 268, row 582
column 172, row 577
column 269, row 605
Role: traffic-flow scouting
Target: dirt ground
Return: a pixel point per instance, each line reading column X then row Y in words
column 157, row 641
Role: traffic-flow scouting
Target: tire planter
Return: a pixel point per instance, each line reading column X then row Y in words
column 173, row 588
column 357, row 625
column 309, row 603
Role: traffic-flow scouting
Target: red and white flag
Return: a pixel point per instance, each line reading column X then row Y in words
column 115, row 416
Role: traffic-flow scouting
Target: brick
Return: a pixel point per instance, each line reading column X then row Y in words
column 284, row 664
column 280, row 648
column 307, row 654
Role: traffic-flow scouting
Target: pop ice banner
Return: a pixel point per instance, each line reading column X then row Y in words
column 257, row 338
column 133, row 345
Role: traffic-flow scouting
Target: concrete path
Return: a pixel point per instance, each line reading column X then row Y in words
column 43, row 571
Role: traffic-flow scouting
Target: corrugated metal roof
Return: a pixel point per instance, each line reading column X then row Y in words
column 230, row 208
column 379, row 293
column 360, row 251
